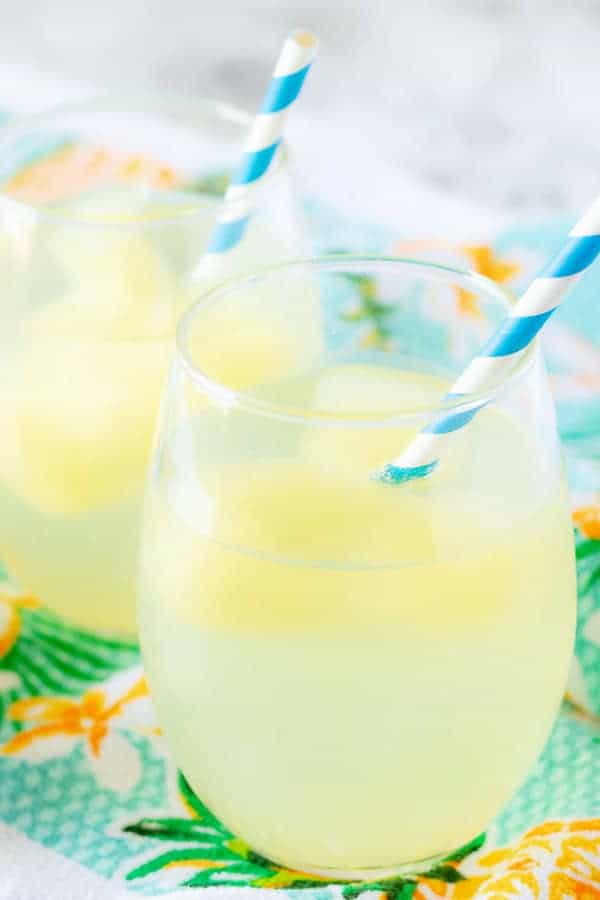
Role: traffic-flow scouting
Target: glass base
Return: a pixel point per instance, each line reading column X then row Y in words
column 370, row 874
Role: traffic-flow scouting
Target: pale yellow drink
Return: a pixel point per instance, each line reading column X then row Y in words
column 354, row 676
column 80, row 387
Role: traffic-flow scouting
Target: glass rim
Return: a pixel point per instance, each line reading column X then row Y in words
column 243, row 399
column 22, row 125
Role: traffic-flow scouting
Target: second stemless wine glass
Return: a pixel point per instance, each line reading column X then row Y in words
column 354, row 676
column 105, row 211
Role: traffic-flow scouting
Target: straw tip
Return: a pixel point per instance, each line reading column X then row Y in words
column 392, row 474
column 304, row 38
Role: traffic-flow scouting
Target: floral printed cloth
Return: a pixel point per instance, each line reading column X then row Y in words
column 85, row 772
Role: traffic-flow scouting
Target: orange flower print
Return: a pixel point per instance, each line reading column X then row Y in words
column 587, row 519
column 554, row 861
column 483, row 260
column 11, row 602
column 100, row 719
column 72, row 169
column 467, row 302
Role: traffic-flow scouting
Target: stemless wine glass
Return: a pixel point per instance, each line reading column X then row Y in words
column 105, row 211
column 354, row 676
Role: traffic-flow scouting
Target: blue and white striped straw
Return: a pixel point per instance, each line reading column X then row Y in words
column 510, row 340
column 265, row 136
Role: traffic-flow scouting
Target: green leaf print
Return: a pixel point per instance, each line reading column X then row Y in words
column 467, row 849
column 587, row 548
column 170, row 829
column 369, row 309
column 445, row 872
column 214, row 184
column 393, row 889
column 50, row 657
column 224, row 860
column 587, row 553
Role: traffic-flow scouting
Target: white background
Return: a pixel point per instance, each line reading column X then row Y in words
column 490, row 106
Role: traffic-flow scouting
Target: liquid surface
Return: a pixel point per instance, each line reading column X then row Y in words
column 353, row 675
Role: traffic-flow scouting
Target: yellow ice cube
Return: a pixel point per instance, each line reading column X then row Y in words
column 118, row 270
column 292, row 509
column 294, row 528
column 128, row 290
column 79, row 421
column 251, row 337
column 373, row 393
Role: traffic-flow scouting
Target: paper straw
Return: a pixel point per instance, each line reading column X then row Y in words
column 265, row 136
column 503, row 349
